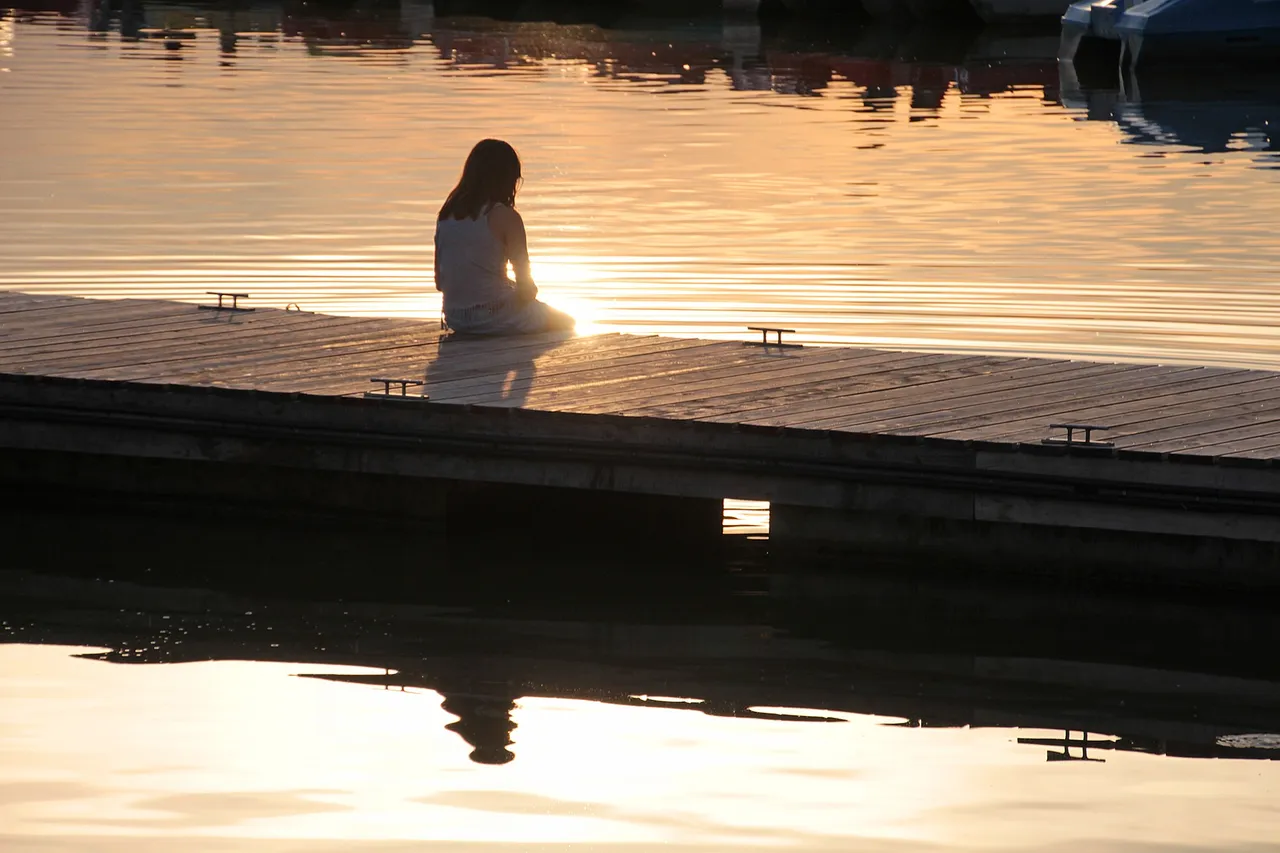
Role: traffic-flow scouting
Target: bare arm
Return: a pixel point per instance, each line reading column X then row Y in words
column 508, row 225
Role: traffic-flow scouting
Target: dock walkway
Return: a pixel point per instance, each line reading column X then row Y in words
column 1189, row 450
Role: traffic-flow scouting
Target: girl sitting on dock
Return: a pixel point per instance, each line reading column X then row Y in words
column 478, row 231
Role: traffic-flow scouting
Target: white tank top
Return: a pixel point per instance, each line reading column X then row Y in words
column 471, row 265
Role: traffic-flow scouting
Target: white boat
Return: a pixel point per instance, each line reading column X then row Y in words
column 1091, row 20
column 1198, row 29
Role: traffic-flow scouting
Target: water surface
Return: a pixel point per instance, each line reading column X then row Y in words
column 288, row 687
column 864, row 186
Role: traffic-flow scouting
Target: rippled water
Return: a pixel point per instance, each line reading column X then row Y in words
column 963, row 193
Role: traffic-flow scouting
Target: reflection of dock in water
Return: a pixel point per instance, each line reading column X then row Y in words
column 629, row 48
column 1138, row 675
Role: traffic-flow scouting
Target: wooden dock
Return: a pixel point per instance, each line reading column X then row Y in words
column 850, row 444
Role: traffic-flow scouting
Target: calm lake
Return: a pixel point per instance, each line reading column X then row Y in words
column 174, row 682
column 954, row 191
column 600, row 703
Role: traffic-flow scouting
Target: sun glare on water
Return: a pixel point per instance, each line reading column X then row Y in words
column 568, row 283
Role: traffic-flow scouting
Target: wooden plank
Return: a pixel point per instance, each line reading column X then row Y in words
column 1272, row 452
column 328, row 381
column 808, row 392
column 189, row 332
column 965, row 377
column 297, row 365
column 717, row 368
column 63, row 333
column 1201, row 437
column 228, row 362
column 560, row 369
column 92, row 314
column 864, row 365
column 152, row 324
column 1175, row 394
column 227, row 359
column 990, row 415
column 986, row 398
column 1030, row 421
column 17, row 297
column 218, row 344
column 976, row 401
column 70, row 308
column 17, row 302
column 327, row 368
column 457, row 365
column 348, row 383
column 580, row 382
column 1170, row 403
column 293, row 368
column 1172, row 423
column 488, row 355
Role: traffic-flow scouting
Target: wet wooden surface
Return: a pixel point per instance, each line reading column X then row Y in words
column 1179, row 409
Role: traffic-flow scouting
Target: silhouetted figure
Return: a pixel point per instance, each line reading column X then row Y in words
column 478, row 232
column 485, row 722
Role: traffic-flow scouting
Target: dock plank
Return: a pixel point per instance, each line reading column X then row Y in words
column 1106, row 401
column 682, row 397
column 1183, row 409
column 15, row 302
column 346, row 372
column 350, row 368
column 193, row 334
column 214, row 342
column 991, row 402
column 1210, row 429
column 966, row 379
column 1177, row 409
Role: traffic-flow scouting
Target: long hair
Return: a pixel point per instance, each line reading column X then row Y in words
column 490, row 176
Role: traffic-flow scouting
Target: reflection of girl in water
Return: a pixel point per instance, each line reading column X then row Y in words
column 477, row 232
column 485, row 723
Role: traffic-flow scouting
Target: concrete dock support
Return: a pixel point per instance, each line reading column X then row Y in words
column 448, row 511
column 1073, row 552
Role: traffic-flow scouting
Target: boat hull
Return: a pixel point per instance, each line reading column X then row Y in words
column 1253, row 45
column 1200, row 29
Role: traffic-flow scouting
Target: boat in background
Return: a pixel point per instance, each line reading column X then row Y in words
column 1090, row 25
column 1235, row 29
column 1176, row 29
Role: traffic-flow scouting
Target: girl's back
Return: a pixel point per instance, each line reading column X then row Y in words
column 471, row 264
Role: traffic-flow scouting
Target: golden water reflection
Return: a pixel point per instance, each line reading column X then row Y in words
column 243, row 756
column 690, row 180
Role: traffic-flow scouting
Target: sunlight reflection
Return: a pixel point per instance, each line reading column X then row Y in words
column 680, row 180
column 101, row 753
column 567, row 283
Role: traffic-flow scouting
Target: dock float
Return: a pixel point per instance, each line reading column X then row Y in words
column 1163, row 472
